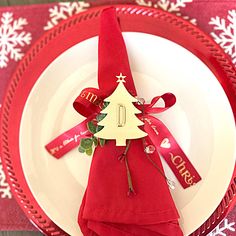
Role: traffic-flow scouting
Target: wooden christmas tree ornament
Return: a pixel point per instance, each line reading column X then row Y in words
column 121, row 122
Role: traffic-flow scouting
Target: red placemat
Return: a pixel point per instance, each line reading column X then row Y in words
column 21, row 26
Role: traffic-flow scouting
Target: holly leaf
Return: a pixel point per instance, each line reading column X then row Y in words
column 86, row 143
column 81, row 150
column 98, row 128
column 105, row 104
column 95, row 141
column 89, row 151
column 100, row 117
column 91, row 127
column 102, row 142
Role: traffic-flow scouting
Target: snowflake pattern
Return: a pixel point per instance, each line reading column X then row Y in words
column 225, row 34
column 222, row 228
column 12, row 38
column 64, row 10
column 5, row 191
column 170, row 6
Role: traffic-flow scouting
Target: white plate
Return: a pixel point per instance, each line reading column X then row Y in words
column 201, row 121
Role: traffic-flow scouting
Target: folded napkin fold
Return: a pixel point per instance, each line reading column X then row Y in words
column 107, row 209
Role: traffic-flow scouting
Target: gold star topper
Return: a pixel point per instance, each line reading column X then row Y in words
column 121, row 78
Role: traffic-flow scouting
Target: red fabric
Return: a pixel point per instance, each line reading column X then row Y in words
column 89, row 101
column 172, row 153
column 106, row 208
column 68, row 140
column 112, row 57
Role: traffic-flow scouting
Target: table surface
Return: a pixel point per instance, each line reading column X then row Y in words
column 11, row 3
column 23, row 2
column 23, row 233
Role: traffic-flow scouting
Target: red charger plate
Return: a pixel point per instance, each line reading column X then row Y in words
column 49, row 47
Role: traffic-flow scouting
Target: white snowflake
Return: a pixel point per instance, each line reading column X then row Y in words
column 225, row 34
column 221, row 229
column 12, row 38
column 5, row 191
column 170, row 6
column 64, row 10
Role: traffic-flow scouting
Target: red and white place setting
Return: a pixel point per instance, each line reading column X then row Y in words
column 120, row 120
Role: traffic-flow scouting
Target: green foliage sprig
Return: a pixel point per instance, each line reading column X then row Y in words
column 87, row 144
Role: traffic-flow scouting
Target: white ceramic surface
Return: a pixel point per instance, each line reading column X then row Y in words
column 201, row 121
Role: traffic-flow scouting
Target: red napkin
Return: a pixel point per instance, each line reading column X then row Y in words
column 107, row 209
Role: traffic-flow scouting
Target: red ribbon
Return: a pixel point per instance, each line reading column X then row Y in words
column 67, row 141
column 166, row 145
column 90, row 101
